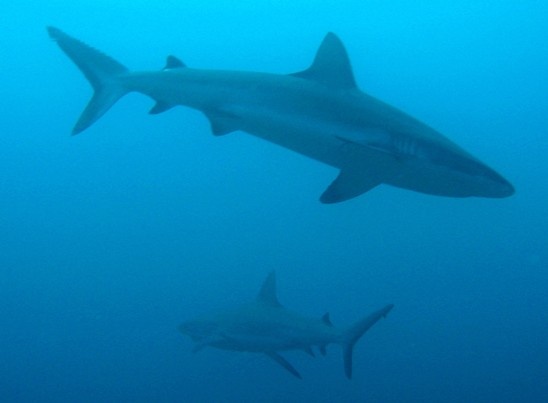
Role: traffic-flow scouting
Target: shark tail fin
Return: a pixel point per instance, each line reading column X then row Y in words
column 351, row 336
column 102, row 71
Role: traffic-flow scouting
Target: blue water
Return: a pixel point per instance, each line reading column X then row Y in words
column 110, row 239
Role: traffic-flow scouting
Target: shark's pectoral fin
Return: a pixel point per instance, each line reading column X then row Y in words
column 284, row 363
column 222, row 123
column 348, row 185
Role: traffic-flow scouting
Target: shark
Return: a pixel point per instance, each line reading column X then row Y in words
column 265, row 326
column 318, row 112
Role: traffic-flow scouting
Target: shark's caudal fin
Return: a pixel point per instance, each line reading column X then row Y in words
column 352, row 335
column 102, row 71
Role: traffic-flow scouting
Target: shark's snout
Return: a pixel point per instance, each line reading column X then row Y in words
column 504, row 189
column 495, row 185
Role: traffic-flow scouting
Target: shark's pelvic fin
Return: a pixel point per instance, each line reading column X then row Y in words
column 222, row 122
column 331, row 66
column 102, row 71
column 349, row 184
column 267, row 294
column 284, row 363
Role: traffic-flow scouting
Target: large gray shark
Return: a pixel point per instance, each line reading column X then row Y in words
column 265, row 326
column 318, row 112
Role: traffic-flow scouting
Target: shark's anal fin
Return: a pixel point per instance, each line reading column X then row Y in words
column 222, row 123
column 349, row 184
column 284, row 363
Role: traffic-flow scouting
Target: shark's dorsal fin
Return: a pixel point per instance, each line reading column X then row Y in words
column 331, row 66
column 173, row 63
column 267, row 295
column 326, row 320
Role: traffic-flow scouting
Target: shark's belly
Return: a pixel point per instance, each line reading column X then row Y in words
column 275, row 338
column 430, row 178
column 310, row 136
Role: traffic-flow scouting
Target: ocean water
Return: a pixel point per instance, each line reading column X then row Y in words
column 110, row 239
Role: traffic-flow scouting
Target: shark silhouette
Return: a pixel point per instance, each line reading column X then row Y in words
column 265, row 326
column 318, row 112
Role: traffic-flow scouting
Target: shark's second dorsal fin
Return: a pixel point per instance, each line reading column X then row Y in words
column 173, row 63
column 267, row 295
column 331, row 66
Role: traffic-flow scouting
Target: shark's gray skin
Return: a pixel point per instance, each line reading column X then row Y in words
column 265, row 326
column 318, row 112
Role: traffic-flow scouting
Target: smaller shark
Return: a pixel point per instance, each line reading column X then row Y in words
column 265, row 326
